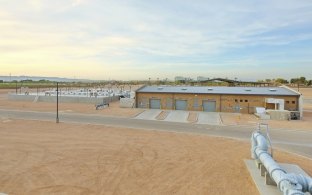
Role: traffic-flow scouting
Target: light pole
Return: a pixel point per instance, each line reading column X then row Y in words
column 57, row 116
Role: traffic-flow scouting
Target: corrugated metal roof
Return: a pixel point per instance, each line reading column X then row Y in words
column 278, row 91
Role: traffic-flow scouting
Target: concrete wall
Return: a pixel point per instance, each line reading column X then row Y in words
column 28, row 98
column 224, row 103
column 279, row 114
column 126, row 103
column 63, row 99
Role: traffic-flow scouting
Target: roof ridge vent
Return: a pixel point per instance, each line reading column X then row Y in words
column 272, row 89
column 159, row 88
column 184, row 88
column 210, row 89
column 247, row 89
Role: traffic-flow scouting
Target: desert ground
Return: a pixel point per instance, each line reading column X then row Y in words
column 48, row 158
column 40, row 157
column 306, row 92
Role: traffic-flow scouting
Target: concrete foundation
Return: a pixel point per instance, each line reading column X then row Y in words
column 279, row 114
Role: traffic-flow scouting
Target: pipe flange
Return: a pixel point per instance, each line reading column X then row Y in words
column 277, row 168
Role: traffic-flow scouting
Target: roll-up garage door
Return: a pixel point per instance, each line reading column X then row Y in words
column 181, row 104
column 155, row 103
column 209, row 106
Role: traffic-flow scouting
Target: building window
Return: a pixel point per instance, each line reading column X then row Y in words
column 293, row 102
column 246, row 100
column 241, row 100
column 287, row 102
column 236, row 100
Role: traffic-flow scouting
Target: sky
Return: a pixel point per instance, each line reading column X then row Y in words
column 140, row 39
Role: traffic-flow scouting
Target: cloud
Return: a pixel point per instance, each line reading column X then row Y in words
column 153, row 36
column 78, row 2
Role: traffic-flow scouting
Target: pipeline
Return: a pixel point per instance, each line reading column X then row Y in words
column 288, row 183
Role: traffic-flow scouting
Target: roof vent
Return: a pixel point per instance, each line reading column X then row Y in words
column 210, row 89
column 272, row 89
column 247, row 89
column 184, row 88
column 160, row 88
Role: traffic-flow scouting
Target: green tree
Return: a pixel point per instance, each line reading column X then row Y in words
column 302, row 80
column 281, row 80
column 294, row 80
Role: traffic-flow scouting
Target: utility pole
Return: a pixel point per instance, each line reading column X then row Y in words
column 21, row 86
column 57, row 116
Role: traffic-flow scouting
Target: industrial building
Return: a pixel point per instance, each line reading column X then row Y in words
column 218, row 99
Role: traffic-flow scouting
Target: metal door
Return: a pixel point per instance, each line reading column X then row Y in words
column 181, row 104
column 209, row 106
column 155, row 103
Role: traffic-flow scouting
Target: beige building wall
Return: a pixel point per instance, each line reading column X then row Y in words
column 224, row 103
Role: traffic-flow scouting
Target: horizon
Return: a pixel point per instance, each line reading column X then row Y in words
column 137, row 40
column 11, row 78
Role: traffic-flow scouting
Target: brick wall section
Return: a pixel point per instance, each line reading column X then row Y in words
column 224, row 103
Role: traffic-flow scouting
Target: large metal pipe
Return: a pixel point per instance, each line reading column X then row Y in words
column 289, row 184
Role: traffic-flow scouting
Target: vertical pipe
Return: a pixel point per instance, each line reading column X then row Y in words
column 220, row 103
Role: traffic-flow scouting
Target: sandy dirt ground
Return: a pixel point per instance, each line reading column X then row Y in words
column 48, row 158
column 306, row 92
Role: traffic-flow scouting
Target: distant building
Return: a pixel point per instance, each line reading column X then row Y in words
column 218, row 99
column 182, row 79
column 200, row 78
column 179, row 78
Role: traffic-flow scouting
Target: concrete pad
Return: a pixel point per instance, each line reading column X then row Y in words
column 177, row 116
column 149, row 114
column 260, row 181
column 211, row 118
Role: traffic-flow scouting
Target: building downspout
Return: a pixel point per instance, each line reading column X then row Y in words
column 220, row 103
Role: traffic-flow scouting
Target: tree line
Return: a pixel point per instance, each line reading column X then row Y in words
column 300, row 80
